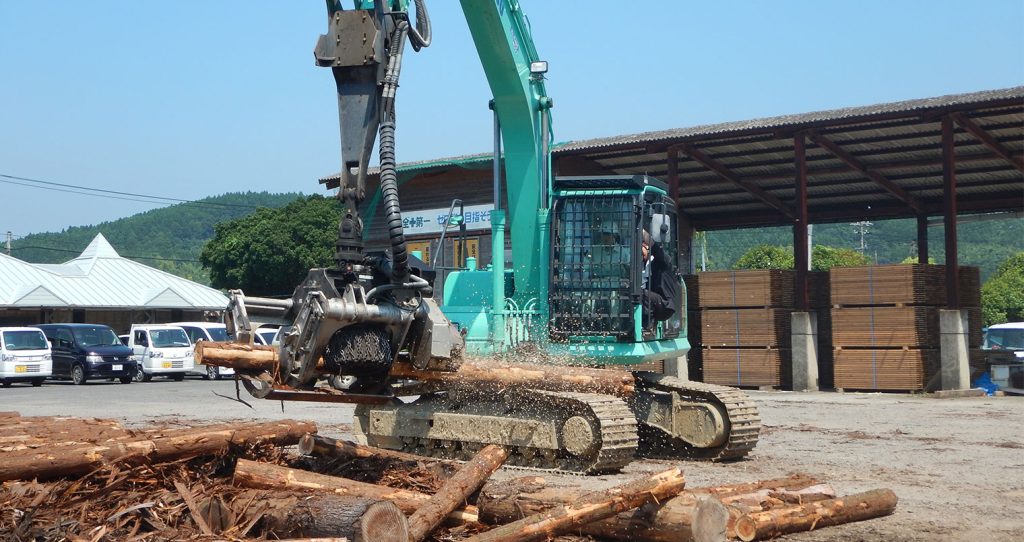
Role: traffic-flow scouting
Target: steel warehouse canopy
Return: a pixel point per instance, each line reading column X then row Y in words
column 877, row 161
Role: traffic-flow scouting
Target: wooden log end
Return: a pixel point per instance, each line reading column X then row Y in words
column 710, row 520
column 306, row 444
column 383, row 521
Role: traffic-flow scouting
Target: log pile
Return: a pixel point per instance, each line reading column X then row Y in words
column 885, row 324
column 251, row 489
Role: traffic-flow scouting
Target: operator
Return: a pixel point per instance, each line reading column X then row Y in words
column 660, row 286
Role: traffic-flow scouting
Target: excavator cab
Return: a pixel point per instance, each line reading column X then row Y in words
column 598, row 273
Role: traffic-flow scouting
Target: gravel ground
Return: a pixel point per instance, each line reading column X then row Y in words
column 957, row 465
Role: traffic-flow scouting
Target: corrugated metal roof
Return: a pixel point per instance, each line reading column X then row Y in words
column 100, row 278
column 803, row 119
column 899, row 141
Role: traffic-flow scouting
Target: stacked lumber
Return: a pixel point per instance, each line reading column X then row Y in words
column 746, row 288
column 344, row 491
column 886, row 369
column 885, row 324
column 742, row 366
column 884, row 327
column 745, row 319
column 746, row 327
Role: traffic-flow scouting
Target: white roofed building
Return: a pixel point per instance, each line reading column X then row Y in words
column 99, row 286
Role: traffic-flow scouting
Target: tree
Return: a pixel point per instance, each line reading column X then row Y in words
column 766, row 257
column 270, row 251
column 824, row 258
column 1002, row 296
column 913, row 259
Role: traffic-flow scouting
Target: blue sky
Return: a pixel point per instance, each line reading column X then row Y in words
column 189, row 99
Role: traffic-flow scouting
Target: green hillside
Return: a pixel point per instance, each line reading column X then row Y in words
column 169, row 238
column 985, row 244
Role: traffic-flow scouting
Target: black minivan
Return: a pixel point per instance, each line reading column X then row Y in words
column 84, row 351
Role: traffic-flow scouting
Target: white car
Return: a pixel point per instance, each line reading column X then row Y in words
column 206, row 331
column 265, row 335
column 25, row 356
column 160, row 350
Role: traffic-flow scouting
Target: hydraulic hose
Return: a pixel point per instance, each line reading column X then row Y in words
column 420, row 36
column 388, row 162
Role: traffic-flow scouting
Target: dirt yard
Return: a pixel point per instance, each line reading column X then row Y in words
column 957, row 465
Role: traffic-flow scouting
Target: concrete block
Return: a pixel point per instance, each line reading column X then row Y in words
column 804, row 351
column 677, row 367
column 954, row 367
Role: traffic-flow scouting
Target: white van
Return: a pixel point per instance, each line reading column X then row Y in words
column 161, row 350
column 1008, row 337
column 24, row 356
column 206, row 331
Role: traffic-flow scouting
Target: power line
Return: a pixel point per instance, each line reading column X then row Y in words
column 167, row 200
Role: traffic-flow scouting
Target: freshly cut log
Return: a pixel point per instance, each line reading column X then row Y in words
column 793, row 519
column 321, row 446
column 684, row 517
column 588, row 508
column 328, row 515
column 243, row 357
column 791, row 483
column 497, row 375
column 46, row 464
column 254, row 475
column 455, row 491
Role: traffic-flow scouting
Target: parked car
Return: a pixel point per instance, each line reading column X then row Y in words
column 161, row 350
column 85, row 351
column 206, row 331
column 24, row 356
column 265, row 335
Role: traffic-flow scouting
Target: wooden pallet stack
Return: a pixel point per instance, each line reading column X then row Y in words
column 745, row 326
column 885, row 324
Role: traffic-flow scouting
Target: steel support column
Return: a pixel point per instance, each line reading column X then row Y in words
column 922, row 238
column 800, row 257
column 684, row 229
column 949, row 213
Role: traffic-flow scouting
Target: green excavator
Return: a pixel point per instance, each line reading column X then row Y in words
column 573, row 292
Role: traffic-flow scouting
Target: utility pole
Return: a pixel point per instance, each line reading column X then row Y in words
column 810, row 247
column 703, row 251
column 8, row 246
column 862, row 228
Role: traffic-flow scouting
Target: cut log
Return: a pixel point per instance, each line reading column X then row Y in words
column 254, row 475
column 684, row 517
column 588, row 508
column 794, row 519
column 793, row 482
column 339, row 516
column 678, row 519
column 253, row 358
column 66, row 461
column 455, row 491
column 495, row 375
column 479, row 374
column 321, row 446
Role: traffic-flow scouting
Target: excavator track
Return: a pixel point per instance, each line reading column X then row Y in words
column 564, row 432
column 742, row 421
